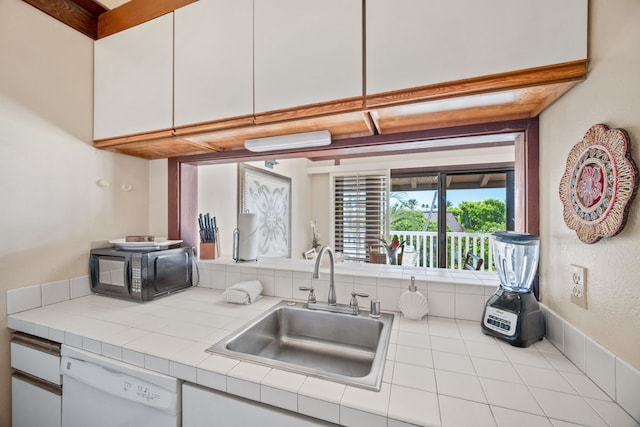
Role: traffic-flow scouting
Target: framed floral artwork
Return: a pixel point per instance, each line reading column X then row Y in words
column 599, row 183
column 268, row 195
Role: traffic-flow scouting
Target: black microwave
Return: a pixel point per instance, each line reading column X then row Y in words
column 140, row 275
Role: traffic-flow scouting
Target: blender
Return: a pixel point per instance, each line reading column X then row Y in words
column 513, row 313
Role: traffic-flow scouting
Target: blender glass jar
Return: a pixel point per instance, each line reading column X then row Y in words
column 516, row 259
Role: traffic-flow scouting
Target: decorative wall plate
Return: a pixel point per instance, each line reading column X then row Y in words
column 598, row 184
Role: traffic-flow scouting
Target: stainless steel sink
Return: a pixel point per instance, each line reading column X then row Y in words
column 350, row 349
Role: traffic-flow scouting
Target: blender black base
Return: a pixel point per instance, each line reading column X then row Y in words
column 514, row 317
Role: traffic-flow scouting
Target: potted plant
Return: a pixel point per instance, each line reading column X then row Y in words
column 315, row 236
column 394, row 249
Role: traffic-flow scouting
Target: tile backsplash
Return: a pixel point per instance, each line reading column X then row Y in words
column 22, row 299
column 30, row 297
column 55, row 292
column 615, row 377
column 448, row 295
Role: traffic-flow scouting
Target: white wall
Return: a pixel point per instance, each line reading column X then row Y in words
column 609, row 95
column 51, row 207
column 158, row 198
column 218, row 195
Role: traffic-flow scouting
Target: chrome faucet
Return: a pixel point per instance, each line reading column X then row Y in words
column 331, row 299
column 331, row 304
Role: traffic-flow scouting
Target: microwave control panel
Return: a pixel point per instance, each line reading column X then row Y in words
column 136, row 275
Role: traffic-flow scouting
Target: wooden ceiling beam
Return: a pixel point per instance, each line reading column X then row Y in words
column 81, row 15
column 94, row 20
column 135, row 12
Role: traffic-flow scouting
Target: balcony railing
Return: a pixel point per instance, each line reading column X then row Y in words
column 425, row 245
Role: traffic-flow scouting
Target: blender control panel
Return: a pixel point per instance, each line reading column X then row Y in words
column 500, row 321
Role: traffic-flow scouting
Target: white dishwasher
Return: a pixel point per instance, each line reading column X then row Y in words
column 102, row 392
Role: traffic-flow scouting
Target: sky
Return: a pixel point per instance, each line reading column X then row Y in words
column 457, row 196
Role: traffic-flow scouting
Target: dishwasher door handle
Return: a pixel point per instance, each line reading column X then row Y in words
column 120, row 385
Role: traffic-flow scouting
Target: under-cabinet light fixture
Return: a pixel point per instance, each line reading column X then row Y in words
column 288, row 142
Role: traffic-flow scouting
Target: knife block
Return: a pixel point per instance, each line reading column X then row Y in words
column 207, row 250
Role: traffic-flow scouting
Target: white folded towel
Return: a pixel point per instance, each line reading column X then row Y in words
column 243, row 292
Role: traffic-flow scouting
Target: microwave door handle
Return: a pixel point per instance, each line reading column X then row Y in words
column 129, row 277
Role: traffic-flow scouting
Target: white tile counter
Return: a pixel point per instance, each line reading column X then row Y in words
column 439, row 371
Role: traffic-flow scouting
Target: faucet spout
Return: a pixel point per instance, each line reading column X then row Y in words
column 331, row 299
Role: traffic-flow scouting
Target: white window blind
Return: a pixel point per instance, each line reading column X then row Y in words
column 360, row 212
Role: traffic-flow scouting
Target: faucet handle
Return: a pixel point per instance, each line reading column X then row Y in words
column 312, row 295
column 354, row 300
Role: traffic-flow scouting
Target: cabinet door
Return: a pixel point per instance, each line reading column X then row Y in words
column 133, row 78
column 413, row 43
column 32, row 406
column 213, row 61
column 306, row 52
column 202, row 407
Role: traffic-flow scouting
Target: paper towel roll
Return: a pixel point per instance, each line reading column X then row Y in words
column 248, row 237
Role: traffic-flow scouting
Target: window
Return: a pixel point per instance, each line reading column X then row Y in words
column 443, row 214
column 406, row 202
column 360, row 212
column 182, row 173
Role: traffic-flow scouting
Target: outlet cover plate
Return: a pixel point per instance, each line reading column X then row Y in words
column 579, row 286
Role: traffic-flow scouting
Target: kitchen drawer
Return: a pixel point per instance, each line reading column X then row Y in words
column 37, row 357
column 35, row 404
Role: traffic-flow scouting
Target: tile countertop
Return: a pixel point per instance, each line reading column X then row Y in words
column 439, row 371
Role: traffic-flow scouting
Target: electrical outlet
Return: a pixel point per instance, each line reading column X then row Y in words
column 579, row 286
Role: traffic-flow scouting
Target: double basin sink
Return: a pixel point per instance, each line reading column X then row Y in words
column 350, row 349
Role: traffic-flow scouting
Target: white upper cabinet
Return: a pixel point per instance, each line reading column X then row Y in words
column 133, row 80
column 213, row 61
column 413, row 43
column 306, row 52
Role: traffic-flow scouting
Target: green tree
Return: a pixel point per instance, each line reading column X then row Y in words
column 483, row 217
column 411, row 204
column 432, row 226
column 400, row 199
column 403, row 219
column 404, row 214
